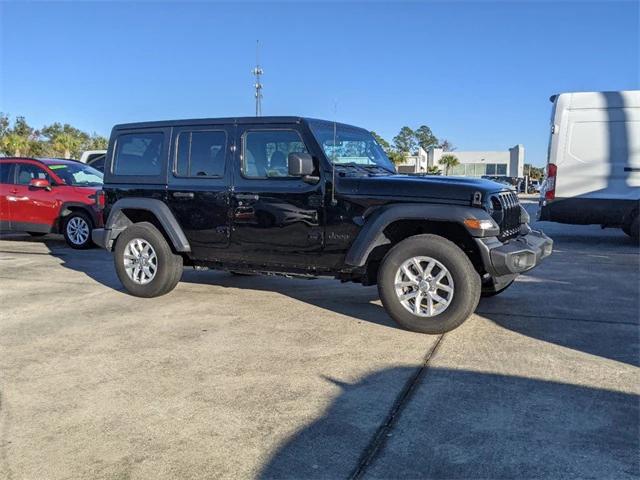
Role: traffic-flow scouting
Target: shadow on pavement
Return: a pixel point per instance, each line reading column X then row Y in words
column 462, row 424
column 346, row 299
column 97, row 264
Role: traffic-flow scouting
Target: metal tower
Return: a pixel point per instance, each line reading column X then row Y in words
column 257, row 73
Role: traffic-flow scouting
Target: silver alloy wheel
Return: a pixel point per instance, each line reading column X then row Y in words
column 78, row 230
column 424, row 286
column 140, row 261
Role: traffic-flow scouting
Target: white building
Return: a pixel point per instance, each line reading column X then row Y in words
column 508, row 163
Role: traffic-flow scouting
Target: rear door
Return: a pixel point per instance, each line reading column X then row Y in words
column 199, row 186
column 276, row 219
column 6, row 184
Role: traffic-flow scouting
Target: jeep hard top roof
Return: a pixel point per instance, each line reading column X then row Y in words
column 226, row 121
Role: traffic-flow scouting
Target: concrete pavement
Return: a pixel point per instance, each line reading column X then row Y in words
column 241, row 377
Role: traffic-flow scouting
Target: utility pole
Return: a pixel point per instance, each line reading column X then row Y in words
column 257, row 73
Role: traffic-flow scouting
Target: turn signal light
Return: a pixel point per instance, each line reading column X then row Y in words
column 550, row 190
column 480, row 224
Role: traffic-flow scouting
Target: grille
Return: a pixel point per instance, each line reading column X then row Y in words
column 506, row 212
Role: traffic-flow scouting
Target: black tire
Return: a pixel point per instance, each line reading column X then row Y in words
column 37, row 234
column 73, row 240
column 169, row 265
column 466, row 280
column 490, row 292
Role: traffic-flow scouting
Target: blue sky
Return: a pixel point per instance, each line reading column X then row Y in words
column 478, row 73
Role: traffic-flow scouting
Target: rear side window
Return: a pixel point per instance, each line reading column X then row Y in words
column 201, row 153
column 5, row 173
column 139, row 154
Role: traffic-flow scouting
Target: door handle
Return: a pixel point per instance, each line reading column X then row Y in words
column 182, row 194
column 247, row 196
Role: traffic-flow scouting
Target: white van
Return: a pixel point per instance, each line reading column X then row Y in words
column 593, row 165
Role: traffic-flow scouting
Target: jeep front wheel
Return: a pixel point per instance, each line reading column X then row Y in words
column 144, row 262
column 428, row 284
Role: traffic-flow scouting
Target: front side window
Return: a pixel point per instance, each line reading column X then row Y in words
column 139, row 154
column 201, row 153
column 344, row 145
column 28, row 172
column 266, row 152
column 5, row 172
column 77, row 175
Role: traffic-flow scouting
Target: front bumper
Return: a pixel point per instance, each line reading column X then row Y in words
column 516, row 256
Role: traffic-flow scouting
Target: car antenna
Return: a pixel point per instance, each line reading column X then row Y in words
column 334, row 202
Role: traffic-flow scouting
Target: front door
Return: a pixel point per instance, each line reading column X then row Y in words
column 199, row 180
column 32, row 209
column 276, row 219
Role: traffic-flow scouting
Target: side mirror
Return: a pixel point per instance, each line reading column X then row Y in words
column 40, row 183
column 301, row 165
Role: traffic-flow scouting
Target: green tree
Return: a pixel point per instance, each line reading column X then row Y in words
column 448, row 161
column 96, row 142
column 535, row 173
column 22, row 128
column 19, row 139
column 66, row 144
column 14, row 144
column 433, row 170
column 405, row 141
column 382, row 142
column 396, row 157
column 65, row 140
column 4, row 124
column 425, row 137
column 447, row 146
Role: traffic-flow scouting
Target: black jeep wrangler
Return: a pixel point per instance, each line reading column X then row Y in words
column 307, row 197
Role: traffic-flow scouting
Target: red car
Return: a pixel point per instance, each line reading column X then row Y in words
column 50, row 196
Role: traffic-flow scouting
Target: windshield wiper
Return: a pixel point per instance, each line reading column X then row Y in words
column 377, row 168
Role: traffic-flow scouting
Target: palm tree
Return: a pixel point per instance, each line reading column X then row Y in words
column 15, row 144
column 448, row 161
column 65, row 143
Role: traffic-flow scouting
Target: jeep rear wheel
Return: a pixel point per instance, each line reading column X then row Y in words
column 428, row 284
column 144, row 262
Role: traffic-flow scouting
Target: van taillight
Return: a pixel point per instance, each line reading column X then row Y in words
column 550, row 190
column 100, row 199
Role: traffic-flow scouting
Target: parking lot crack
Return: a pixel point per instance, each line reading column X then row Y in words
column 384, row 431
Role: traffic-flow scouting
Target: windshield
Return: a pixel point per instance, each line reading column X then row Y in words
column 77, row 175
column 350, row 146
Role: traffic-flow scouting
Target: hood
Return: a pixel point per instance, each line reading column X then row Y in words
column 433, row 187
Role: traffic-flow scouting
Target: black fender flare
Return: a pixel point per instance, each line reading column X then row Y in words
column 67, row 207
column 372, row 233
column 118, row 221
